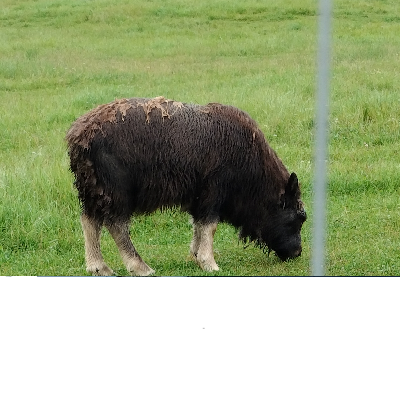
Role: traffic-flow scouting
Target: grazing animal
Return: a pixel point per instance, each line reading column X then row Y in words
column 134, row 156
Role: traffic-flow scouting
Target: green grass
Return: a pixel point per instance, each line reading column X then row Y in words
column 60, row 59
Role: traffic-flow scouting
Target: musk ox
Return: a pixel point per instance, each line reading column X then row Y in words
column 134, row 156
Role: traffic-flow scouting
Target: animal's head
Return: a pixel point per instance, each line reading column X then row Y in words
column 283, row 234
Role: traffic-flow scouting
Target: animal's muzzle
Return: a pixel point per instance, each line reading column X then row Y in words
column 297, row 253
column 287, row 256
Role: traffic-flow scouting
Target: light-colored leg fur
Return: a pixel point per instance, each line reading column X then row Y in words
column 95, row 264
column 194, row 246
column 201, row 248
column 133, row 262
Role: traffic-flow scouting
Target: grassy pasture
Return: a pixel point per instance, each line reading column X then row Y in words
column 60, row 59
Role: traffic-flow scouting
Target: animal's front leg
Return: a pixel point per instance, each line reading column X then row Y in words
column 203, row 237
column 194, row 246
column 132, row 260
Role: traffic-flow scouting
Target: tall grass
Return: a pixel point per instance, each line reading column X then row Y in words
column 60, row 59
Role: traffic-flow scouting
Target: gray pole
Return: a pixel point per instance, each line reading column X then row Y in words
column 321, row 141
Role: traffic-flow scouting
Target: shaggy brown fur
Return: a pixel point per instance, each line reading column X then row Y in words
column 133, row 156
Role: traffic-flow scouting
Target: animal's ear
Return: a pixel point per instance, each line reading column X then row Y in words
column 292, row 192
column 292, row 189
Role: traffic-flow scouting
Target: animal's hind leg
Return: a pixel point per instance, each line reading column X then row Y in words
column 133, row 262
column 201, row 248
column 94, row 259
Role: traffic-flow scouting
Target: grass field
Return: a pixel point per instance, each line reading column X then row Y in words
column 60, row 59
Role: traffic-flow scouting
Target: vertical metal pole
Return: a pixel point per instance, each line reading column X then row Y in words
column 321, row 141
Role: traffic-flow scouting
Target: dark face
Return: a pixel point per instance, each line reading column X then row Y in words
column 284, row 237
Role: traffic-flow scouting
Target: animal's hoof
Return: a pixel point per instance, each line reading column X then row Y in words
column 100, row 270
column 208, row 266
column 141, row 269
column 147, row 272
column 205, row 265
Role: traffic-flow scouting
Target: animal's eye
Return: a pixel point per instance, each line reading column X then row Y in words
column 302, row 214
